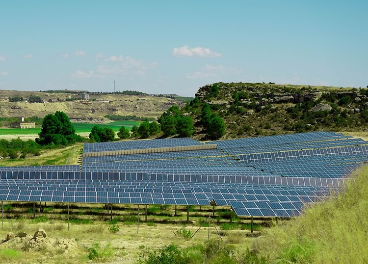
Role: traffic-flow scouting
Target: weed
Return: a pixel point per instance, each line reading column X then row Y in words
column 186, row 234
column 151, row 223
column 96, row 252
column 114, row 228
column 8, row 207
column 169, row 254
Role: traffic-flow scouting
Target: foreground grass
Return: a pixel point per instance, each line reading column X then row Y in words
column 335, row 231
column 61, row 156
column 98, row 243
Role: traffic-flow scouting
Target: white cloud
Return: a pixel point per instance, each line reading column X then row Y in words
column 115, row 58
column 185, row 51
column 4, row 73
column 65, row 55
column 126, row 66
column 116, row 65
column 80, row 53
column 28, row 56
column 85, row 75
column 2, row 58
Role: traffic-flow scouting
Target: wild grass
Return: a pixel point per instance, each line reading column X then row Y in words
column 8, row 254
column 334, row 231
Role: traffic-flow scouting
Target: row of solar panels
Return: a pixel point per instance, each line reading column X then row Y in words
column 154, row 156
column 274, row 156
column 139, row 144
column 265, row 198
column 172, row 178
column 279, row 140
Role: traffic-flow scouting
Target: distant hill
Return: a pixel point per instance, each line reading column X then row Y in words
column 99, row 105
column 254, row 109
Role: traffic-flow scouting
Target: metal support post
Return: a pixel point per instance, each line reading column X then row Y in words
column 145, row 214
column 188, row 214
column 68, row 216
column 111, row 212
column 138, row 220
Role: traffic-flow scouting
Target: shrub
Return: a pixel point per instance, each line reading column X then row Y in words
column 114, row 228
column 96, row 252
column 186, row 234
column 169, row 254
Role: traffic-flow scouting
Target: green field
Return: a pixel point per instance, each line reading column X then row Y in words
column 79, row 128
column 84, row 127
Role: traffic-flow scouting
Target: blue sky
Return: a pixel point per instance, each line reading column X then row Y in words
column 178, row 46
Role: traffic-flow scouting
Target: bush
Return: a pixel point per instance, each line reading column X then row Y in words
column 123, row 133
column 187, row 234
column 114, row 228
column 96, row 252
column 168, row 255
column 99, row 134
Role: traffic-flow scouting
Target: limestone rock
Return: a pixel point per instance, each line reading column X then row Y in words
column 284, row 99
column 40, row 233
column 10, row 236
column 321, row 107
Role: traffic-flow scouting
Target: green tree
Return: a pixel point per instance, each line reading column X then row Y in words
column 35, row 99
column 185, row 126
column 56, row 129
column 206, row 115
column 236, row 98
column 100, row 134
column 168, row 125
column 144, row 129
column 108, row 134
column 216, row 128
column 214, row 90
column 123, row 133
column 134, row 131
column 154, row 128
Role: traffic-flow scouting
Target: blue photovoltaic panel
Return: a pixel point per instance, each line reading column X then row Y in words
column 266, row 176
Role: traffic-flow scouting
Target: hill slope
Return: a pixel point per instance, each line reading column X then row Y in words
column 252, row 109
column 334, row 231
column 93, row 110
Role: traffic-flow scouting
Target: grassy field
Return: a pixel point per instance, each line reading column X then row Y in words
column 85, row 127
column 62, row 156
column 79, row 128
column 333, row 231
column 82, row 129
column 120, row 240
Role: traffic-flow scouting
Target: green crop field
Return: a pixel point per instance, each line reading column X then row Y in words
column 84, row 127
column 79, row 128
column 18, row 131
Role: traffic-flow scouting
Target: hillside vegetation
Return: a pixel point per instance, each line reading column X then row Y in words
column 97, row 109
column 334, row 231
column 253, row 109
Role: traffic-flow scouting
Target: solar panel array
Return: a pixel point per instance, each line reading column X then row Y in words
column 266, row 176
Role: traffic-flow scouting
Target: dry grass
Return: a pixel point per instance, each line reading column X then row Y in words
column 64, row 156
column 334, row 231
column 126, row 244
